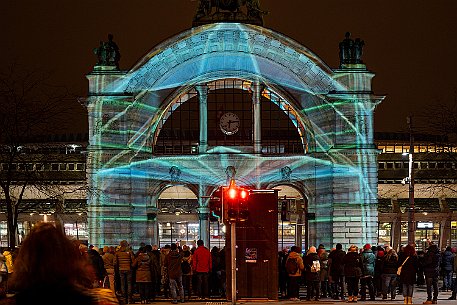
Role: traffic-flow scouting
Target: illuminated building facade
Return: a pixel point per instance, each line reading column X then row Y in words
column 231, row 100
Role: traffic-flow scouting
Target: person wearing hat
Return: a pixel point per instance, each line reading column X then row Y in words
column 368, row 266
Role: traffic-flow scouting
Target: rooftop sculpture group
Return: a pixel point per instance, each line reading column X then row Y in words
column 210, row 11
column 351, row 50
column 108, row 53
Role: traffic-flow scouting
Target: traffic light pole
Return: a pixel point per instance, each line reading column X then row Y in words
column 233, row 259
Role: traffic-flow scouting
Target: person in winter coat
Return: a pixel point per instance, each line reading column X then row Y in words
column 447, row 266
column 143, row 274
column 336, row 271
column 164, row 272
column 352, row 272
column 108, row 262
column 431, row 265
column 294, row 278
column 312, row 274
column 123, row 261
column 368, row 272
column 186, row 267
column 202, row 264
column 154, row 254
column 389, row 273
column 454, row 288
column 408, row 273
column 173, row 264
column 325, row 285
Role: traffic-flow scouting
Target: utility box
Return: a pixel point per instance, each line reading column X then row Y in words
column 257, row 249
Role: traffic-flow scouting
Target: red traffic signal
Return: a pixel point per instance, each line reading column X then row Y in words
column 234, row 203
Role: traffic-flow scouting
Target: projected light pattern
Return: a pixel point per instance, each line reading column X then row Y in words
column 332, row 113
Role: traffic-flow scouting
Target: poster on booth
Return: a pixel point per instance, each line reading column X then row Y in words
column 250, row 255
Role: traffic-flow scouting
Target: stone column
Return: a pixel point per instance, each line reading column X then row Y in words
column 257, row 89
column 203, row 91
column 203, row 217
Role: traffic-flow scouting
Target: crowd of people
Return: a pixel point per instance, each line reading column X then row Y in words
column 53, row 269
column 171, row 272
column 366, row 274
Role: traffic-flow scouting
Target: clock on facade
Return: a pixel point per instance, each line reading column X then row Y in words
column 229, row 123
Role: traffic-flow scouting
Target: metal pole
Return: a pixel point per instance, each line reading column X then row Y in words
column 411, row 216
column 233, row 259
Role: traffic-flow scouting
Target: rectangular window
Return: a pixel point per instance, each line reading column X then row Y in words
column 54, row 166
column 79, row 166
column 440, row 165
column 381, row 165
column 39, row 167
column 62, row 166
column 390, row 165
column 71, row 166
column 398, row 164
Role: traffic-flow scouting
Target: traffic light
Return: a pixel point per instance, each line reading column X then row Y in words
column 234, row 203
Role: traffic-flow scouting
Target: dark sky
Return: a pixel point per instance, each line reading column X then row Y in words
column 411, row 45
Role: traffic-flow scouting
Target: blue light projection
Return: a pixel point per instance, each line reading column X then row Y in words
column 332, row 114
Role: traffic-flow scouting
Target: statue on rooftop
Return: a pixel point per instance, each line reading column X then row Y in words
column 108, row 53
column 210, row 11
column 350, row 50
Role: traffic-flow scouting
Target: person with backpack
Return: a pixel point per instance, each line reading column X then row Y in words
column 312, row 274
column 294, row 267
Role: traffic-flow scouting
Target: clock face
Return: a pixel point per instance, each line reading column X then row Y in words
column 229, row 123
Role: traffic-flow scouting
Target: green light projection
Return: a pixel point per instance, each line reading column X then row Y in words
column 338, row 168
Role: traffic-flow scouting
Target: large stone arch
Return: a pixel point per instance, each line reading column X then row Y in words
column 336, row 106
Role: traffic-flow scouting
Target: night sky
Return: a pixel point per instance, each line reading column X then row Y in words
column 411, row 45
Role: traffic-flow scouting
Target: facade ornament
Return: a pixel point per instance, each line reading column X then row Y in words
column 175, row 174
column 230, row 171
column 108, row 53
column 285, row 173
column 351, row 51
column 242, row 11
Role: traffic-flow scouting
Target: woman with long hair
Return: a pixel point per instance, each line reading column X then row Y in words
column 408, row 273
column 49, row 270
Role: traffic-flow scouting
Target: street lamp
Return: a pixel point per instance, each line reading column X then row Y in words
column 410, row 181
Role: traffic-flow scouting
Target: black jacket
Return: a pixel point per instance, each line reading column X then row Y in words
column 352, row 264
column 409, row 270
column 431, row 262
column 336, row 262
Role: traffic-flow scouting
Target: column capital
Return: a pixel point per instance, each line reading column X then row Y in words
column 202, row 89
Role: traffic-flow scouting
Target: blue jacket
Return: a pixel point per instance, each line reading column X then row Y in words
column 368, row 262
